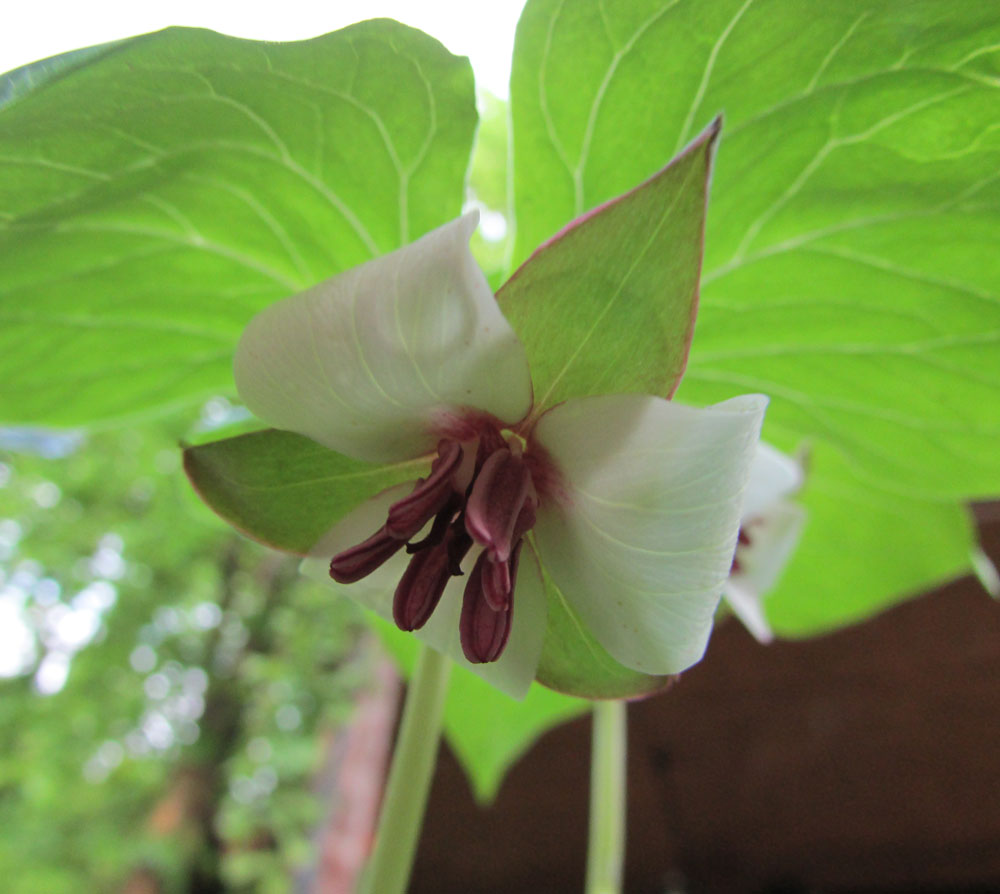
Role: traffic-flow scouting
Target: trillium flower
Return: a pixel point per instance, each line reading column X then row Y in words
column 629, row 504
column 769, row 530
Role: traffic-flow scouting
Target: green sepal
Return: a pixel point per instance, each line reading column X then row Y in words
column 575, row 663
column 607, row 305
column 283, row 489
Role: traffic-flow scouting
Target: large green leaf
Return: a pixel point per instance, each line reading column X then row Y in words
column 486, row 729
column 863, row 549
column 851, row 269
column 157, row 193
column 608, row 305
column 283, row 489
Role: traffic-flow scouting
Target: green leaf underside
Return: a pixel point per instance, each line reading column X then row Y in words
column 608, row 306
column 487, row 730
column 154, row 198
column 851, row 270
column 574, row 662
column 283, row 489
column 863, row 550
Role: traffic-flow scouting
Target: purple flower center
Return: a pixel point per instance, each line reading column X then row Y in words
column 478, row 492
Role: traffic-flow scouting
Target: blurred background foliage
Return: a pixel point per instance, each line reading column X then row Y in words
column 163, row 717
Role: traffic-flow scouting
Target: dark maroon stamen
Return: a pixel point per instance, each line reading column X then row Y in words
column 485, row 497
column 498, row 495
column 458, row 545
column 497, row 586
column 423, row 582
column 428, row 498
column 442, row 521
column 359, row 561
column 483, row 630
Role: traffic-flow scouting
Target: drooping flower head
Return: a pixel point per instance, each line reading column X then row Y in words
column 626, row 507
column 769, row 530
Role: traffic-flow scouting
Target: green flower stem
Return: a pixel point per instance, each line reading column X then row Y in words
column 606, row 845
column 388, row 869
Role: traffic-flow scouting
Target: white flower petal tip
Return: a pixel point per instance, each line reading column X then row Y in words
column 773, row 477
column 986, row 571
column 748, row 607
column 365, row 362
column 641, row 536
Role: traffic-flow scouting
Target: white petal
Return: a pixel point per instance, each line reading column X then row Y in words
column 773, row 476
column 773, row 535
column 514, row 671
column 986, row 570
column 642, row 539
column 369, row 362
column 748, row 606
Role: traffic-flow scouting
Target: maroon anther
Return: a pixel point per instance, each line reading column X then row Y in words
column 498, row 577
column 359, row 561
column 497, row 585
column 442, row 521
column 484, row 630
column 498, row 495
column 428, row 498
column 424, row 580
column 486, row 496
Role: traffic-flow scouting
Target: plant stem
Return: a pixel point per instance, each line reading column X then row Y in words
column 606, row 845
column 388, row 870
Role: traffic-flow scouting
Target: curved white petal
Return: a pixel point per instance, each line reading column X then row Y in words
column 773, row 475
column 368, row 362
column 748, row 606
column 771, row 537
column 641, row 538
column 515, row 669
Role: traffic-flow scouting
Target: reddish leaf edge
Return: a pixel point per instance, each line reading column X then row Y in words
column 707, row 140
